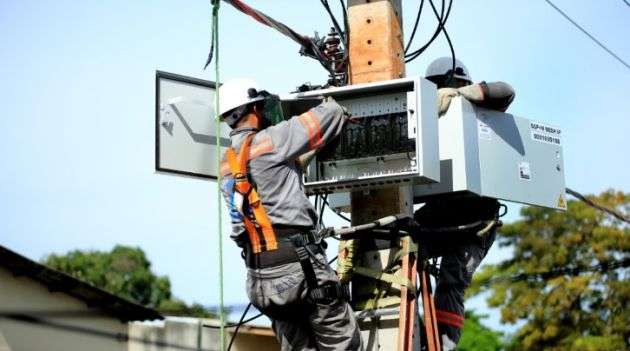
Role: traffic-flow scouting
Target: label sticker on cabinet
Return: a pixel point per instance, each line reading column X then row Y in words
column 544, row 133
column 524, row 172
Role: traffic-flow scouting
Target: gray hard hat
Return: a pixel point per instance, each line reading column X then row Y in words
column 444, row 65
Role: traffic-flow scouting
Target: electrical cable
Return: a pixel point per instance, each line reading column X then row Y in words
column 240, row 322
column 626, row 2
column 588, row 34
column 321, row 210
column 413, row 55
column 337, row 213
column 334, row 21
column 547, row 275
column 232, row 325
column 345, row 21
column 609, row 211
column 309, row 46
column 443, row 18
column 342, row 34
column 415, row 26
column 448, row 39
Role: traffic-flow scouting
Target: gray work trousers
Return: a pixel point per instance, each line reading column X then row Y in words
column 280, row 292
column 458, row 265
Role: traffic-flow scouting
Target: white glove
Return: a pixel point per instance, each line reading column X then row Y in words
column 472, row 93
column 444, row 99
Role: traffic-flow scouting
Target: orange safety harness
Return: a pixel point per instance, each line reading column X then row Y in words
column 259, row 221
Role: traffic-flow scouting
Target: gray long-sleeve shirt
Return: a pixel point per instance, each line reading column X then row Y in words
column 273, row 168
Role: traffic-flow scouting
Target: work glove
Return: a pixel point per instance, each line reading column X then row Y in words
column 445, row 95
column 472, row 93
column 344, row 110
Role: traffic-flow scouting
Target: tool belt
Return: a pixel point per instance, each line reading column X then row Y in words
column 298, row 247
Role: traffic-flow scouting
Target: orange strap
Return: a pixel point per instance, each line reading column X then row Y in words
column 260, row 222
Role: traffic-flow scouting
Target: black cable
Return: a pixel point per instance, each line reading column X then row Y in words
column 413, row 55
column 321, row 210
column 345, row 21
column 588, row 34
column 550, row 274
column 347, row 33
column 334, row 21
column 337, row 213
column 443, row 18
column 415, row 26
column 232, row 325
column 240, row 322
column 448, row 39
column 584, row 199
column 344, row 37
column 626, row 2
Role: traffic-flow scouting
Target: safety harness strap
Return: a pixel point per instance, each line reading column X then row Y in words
column 307, row 266
column 260, row 222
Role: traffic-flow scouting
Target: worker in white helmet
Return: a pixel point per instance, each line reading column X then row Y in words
column 462, row 250
column 288, row 279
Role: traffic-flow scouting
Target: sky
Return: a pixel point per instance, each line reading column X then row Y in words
column 77, row 135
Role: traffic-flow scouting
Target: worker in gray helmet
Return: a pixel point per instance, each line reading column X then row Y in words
column 461, row 250
column 288, row 277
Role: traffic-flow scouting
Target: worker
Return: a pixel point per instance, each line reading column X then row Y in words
column 461, row 249
column 288, row 276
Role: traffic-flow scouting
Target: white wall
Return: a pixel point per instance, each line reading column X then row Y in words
column 24, row 294
column 188, row 332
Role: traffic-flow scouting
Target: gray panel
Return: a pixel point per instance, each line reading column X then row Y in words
column 410, row 101
column 498, row 155
column 517, row 167
column 186, row 127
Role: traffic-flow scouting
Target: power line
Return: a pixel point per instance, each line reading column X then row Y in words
column 610, row 211
column 415, row 26
column 553, row 273
column 589, row 34
column 441, row 23
column 626, row 2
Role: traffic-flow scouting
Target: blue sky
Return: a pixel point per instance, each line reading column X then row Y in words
column 78, row 112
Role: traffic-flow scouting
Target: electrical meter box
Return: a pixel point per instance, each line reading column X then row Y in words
column 498, row 155
column 393, row 140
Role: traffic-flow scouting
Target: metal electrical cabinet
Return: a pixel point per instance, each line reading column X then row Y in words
column 498, row 155
column 393, row 141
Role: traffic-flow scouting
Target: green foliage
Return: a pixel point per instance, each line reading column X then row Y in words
column 126, row 272
column 581, row 310
column 478, row 337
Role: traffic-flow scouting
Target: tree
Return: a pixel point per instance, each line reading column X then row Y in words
column 124, row 271
column 478, row 337
column 567, row 283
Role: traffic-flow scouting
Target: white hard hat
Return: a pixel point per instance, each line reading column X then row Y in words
column 236, row 93
column 444, row 65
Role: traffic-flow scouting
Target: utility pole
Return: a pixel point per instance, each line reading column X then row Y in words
column 376, row 52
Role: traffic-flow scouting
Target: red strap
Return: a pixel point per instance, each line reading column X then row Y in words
column 450, row 318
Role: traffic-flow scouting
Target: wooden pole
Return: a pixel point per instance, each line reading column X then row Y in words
column 376, row 52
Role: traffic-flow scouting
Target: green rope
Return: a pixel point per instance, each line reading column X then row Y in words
column 215, row 38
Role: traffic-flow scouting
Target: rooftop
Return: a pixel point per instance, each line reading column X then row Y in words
column 57, row 281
